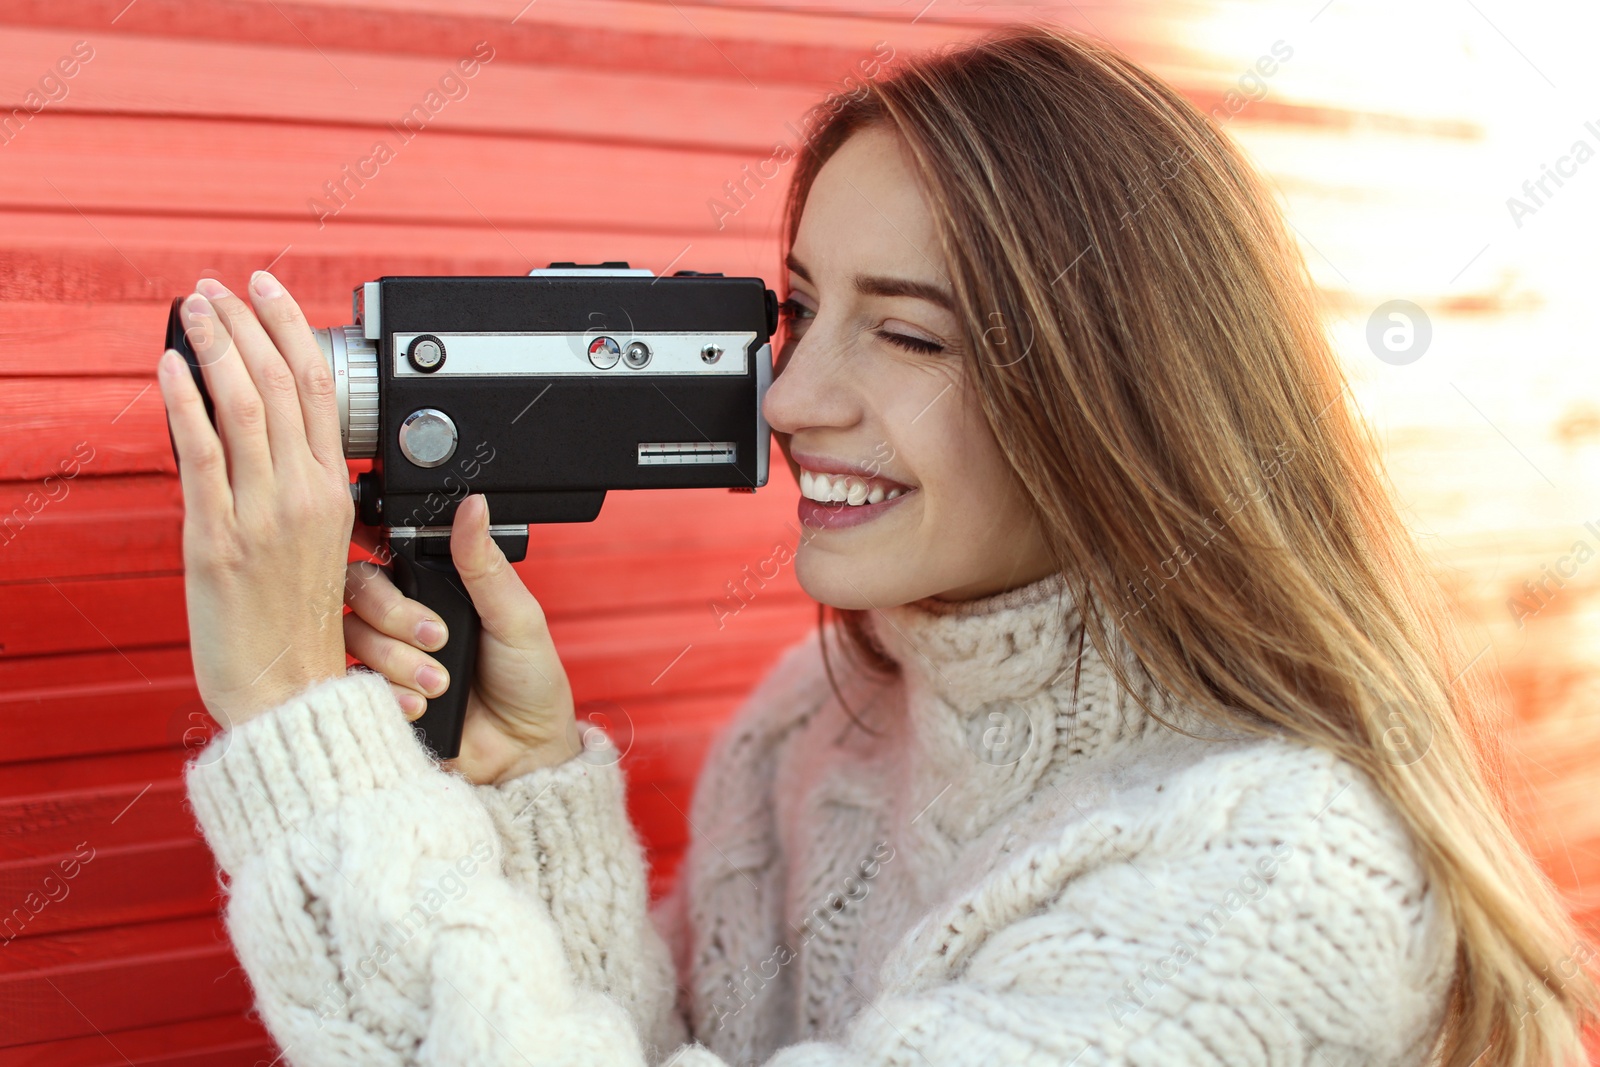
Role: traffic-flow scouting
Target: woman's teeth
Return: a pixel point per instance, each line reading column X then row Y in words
column 844, row 489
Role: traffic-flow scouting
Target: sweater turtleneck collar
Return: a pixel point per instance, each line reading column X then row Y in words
column 1002, row 695
column 999, row 647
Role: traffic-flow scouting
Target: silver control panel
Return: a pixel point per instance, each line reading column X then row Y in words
column 478, row 354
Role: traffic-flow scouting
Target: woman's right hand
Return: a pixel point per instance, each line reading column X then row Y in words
column 519, row 710
column 266, row 498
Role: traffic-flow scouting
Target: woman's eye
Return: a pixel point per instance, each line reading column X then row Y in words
column 791, row 309
column 911, row 344
column 797, row 315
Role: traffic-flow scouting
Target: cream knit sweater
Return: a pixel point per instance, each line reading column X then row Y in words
column 1020, row 868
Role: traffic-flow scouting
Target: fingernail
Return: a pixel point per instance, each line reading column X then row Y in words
column 169, row 363
column 211, row 288
column 411, row 703
column 265, row 285
column 431, row 679
column 197, row 305
column 429, row 633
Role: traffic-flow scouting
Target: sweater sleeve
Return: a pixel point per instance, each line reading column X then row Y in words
column 368, row 903
column 570, row 845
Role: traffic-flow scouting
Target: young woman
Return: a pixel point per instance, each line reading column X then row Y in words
column 1150, row 741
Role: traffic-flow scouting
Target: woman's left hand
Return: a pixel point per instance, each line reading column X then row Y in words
column 267, row 508
column 519, row 714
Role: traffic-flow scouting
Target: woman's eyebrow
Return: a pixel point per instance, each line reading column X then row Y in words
column 879, row 285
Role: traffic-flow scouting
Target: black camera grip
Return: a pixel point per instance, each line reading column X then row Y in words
column 435, row 582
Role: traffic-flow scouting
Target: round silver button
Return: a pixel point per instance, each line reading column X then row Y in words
column 636, row 355
column 604, row 352
column 428, row 437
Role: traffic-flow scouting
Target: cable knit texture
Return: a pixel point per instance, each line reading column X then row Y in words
column 1007, row 861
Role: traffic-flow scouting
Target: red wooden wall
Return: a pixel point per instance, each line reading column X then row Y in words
column 180, row 139
column 194, row 139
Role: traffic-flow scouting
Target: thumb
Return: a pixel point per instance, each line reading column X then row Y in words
column 509, row 612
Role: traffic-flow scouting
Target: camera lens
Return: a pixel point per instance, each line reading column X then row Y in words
column 353, row 360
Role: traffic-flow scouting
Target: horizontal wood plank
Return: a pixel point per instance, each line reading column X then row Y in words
column 119, row 614
column 97, row 887
column 748, row 47
column 96, row 818
column 68, row 716
column 51, row 985
column 67, row 256
column 52, row 338
column 253, row 84
column 222, row 1041
column 327, row 176
column 62, row 428
column 58, row 527
column 126, row 772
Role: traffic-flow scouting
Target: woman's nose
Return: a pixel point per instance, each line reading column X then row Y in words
column 811, row 390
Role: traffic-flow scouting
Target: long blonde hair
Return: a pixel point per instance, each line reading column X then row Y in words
column 1149, row 355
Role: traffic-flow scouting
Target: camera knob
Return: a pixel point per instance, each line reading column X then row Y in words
column 426, row 353
column 428, row 437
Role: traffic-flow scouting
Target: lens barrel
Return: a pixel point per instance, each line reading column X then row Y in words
column 351, row 357
column 354, row 361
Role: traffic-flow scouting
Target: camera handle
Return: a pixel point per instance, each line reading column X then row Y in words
column 423, row 570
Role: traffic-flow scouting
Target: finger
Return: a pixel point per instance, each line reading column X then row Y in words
column 372, row 594
column 241, row 415
column 411, row 702
column 202, row 466
column 400, row 662
column 273, row 380
column 286, row 325
column 507, row 608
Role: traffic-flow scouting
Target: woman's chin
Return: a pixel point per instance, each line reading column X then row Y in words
column 850, row 582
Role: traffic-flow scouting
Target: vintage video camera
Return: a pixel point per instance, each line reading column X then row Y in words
column 542, row 392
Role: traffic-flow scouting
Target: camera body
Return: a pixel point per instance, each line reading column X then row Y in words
column 545, row 391
column 542, row 392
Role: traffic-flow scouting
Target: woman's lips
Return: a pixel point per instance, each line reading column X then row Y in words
column 818, row 516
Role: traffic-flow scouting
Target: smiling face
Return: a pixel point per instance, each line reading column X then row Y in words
column 909, row 494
